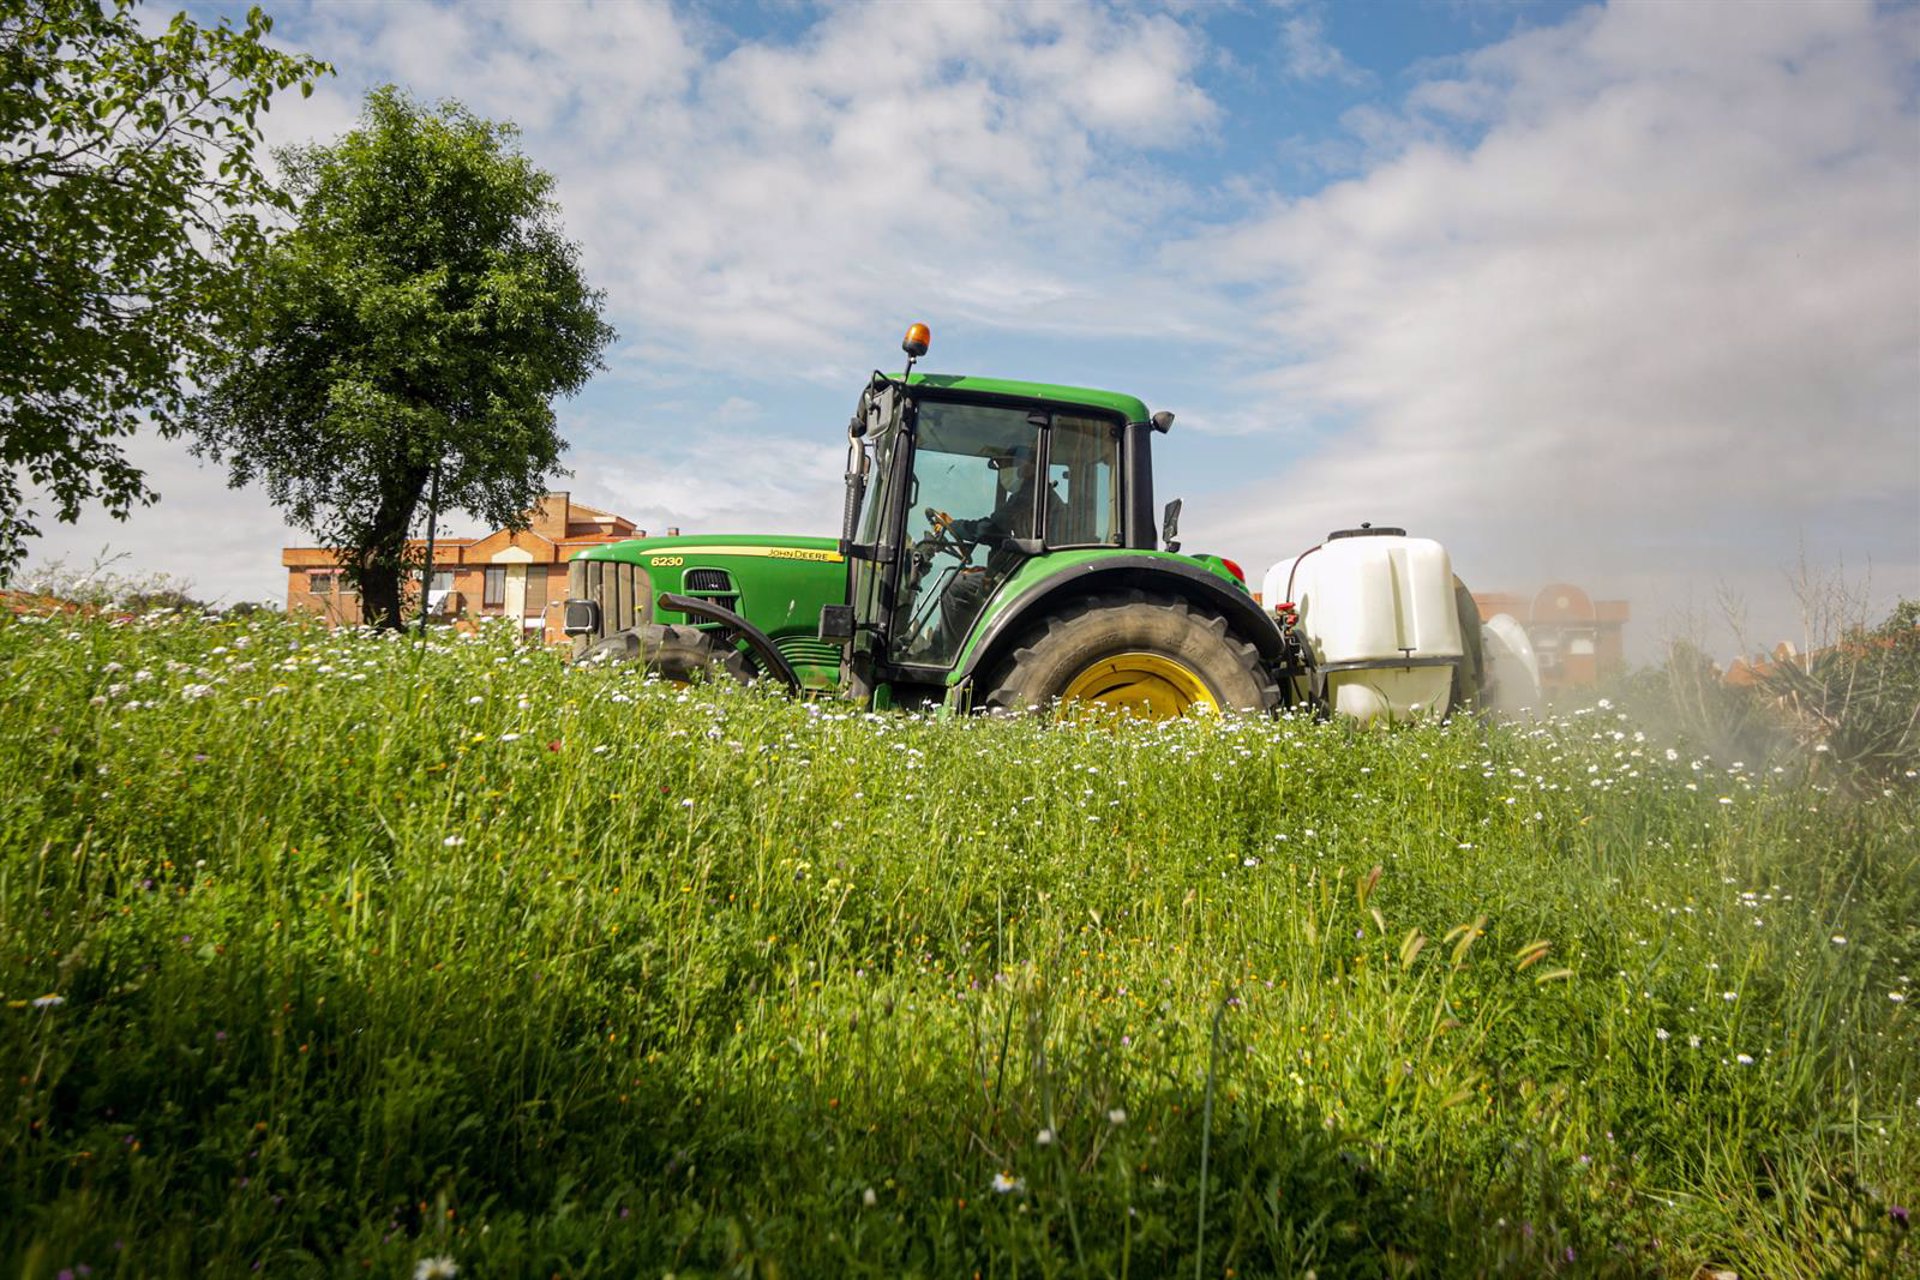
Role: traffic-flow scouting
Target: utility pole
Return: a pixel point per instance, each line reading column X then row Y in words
column 426, row 570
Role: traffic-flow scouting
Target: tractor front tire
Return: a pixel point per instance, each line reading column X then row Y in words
column 1151, row 657
column 677, row 653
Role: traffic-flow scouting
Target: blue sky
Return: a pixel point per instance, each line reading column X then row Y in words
column 1627, row 294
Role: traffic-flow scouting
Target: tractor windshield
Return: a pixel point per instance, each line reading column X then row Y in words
column 976, row 490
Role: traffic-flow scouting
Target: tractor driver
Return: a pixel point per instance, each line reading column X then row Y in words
column 1013, row 505
column 1012, row 518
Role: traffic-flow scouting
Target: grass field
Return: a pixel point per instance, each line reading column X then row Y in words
column 326, row 954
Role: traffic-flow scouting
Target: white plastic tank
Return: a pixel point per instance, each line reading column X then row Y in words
column 1513, row 672
column 1379, row 610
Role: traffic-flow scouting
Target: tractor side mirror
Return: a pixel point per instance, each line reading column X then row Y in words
column 1170, row 526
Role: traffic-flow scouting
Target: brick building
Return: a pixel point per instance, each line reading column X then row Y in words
column 1576, row 638
column 505, row 574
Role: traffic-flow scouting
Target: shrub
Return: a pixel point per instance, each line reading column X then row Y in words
column 1853, row 709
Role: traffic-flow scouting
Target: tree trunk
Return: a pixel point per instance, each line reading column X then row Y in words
column 382, row 563
column 380, row 596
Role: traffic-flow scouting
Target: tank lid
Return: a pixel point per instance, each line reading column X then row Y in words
column 1366, row 530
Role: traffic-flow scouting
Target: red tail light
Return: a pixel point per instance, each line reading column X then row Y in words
column 1235, row 570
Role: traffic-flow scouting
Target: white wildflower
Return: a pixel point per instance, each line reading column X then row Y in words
column 454, row 842
column 48, row 1002
column 441, row 1268
column 1004, row 1183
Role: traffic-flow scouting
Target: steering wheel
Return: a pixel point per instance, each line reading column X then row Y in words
column 942, row 536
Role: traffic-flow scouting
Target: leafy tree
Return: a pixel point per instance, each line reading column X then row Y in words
column 129, row 187
column 419, row 318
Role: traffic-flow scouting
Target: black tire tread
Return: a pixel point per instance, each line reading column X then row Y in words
column 1032, row 673
column 678, row 652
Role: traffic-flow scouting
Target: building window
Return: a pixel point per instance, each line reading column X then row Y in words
column 321, row 584
column 495, row 592
column 442, row 580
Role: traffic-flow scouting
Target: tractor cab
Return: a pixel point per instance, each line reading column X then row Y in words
column 954, row 485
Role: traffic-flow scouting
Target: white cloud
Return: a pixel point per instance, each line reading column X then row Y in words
column 1305, row 52
column 776, row 485
column 787, row 196
column 1653, row 323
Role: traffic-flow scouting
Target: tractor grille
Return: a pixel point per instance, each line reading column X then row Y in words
column 805, row 649
column 711, row 584
column 620, row 589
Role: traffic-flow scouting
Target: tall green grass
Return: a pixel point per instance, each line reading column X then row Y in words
column 324, row 954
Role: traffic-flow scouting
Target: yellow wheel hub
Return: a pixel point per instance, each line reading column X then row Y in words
column 1149, row 686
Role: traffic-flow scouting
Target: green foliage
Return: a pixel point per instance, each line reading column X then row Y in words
column 129, row 195
column 421, row 315
column 1847, row 713
column 1689, row 696
column 352, row 951
column 1854, row 707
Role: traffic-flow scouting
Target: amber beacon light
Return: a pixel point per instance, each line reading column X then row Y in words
column 917, row 340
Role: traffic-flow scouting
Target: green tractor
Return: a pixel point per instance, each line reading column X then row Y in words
column 999, row 551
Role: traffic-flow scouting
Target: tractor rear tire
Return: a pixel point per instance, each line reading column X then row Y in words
column 678, row 653
column 1150, row 656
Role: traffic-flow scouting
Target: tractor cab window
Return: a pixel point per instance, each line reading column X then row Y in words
column 977, row 489
column 1083, row 466
column 880, row 410
column 879, row 413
